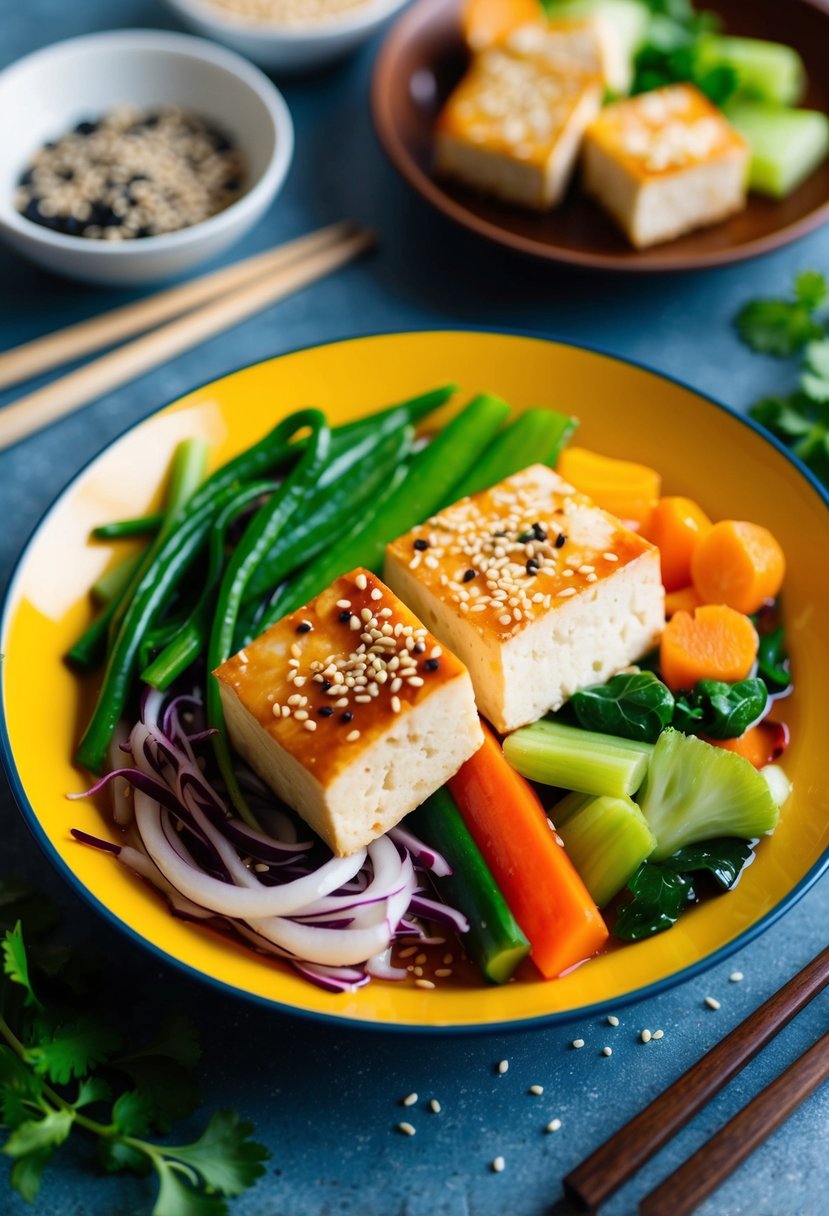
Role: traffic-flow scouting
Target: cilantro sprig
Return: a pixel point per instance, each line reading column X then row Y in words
column 64, row 1070
column 787, row 328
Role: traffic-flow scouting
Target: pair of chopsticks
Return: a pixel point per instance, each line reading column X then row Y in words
column 602, row 1173
column 195, row 311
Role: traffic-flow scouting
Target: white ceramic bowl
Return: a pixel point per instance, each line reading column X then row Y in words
column 43, row 95
column 288, row 49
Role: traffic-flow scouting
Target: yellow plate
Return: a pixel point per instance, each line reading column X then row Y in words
column 703, row 451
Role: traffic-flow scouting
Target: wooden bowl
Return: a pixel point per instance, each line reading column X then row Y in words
column 424, row 57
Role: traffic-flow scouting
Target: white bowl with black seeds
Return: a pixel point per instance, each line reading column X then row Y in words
column 288, row 36
column 137, row 154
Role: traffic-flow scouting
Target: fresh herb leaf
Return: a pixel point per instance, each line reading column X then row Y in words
column 719, row 710
column 132, row 1113
column 71, row 1049
column 777, row 327
column 177, row 1198
column 635, row 705
column 162, row 1070
column 814, row 381
column 725, row 859
column 16, row 963
column 224, row 1156
column 27, row 1172
column 91, row 1090
column 811, row 289
column 659, row 897
column 773, row 662
column 36, row 1134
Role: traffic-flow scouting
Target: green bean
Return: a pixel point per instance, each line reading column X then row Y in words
column 257, row 540
column 116, row 579
column 139, row 525
column 422, row 490
column 537, row 435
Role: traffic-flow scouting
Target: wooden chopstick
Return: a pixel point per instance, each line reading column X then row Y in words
column 84, row 338
column 605, row 1170
column 77, row 389
column 686, row 1188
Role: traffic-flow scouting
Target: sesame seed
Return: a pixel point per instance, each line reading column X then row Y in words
column 352, row 736
column 553, row 1126
column 434, row 1106
column 325, row 711
column 301, row 714
column 343, row 603
column 736, row 977
column 503, row 1066
column 304, row 627
column 659, row 1034
column 506, row 619
column 431, row 665
column 406, row 1129
column 408, row 952
column 296, row 650
column 361, row 582
column 421, row 545
column 310, row 724
column 415, row 681
column 560, row 540
column 424, row 984
column 498, row 1165
column 646, row 1036
column 712, row 1002
column 577, row 1043
column 377, row 594
column 344, row 617
column 566, row 591
column 607, row 1051
column 536, row 1090
column 612, row 1020
column 347, row 716
column 443, row 973
column 610, row 557
column 409, row 1100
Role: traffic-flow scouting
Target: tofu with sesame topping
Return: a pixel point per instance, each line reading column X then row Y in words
column 535, row 588
column 350, row 710
column 513, row 127
column 665, row 163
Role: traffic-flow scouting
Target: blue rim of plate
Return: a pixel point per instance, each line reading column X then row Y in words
column 515, row 1025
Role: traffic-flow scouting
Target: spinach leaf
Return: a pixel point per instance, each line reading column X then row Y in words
column 720, row 710
column 773, row 662
column 636, row 705
column 725, row 859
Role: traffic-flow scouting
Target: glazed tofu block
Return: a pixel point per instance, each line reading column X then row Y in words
column 351, row 711
column 587, row 46
column 537, row 590
column 513, row 127
column 665, row 163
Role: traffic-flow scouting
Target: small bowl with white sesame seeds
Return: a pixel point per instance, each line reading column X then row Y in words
column 141, row 154
column 288, row 36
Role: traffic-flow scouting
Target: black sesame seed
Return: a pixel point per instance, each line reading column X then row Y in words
column 346, row 716
column 560, row 540
column 420, row 545
column 499, row 533
column 344, row 617
column 431, row 665
column 325, row 711
column 532, row 566
column 525, row 537
column 326, row 684
column 304, row 627
column 419, row 647
column 469, row 574
column 86, row 128
column 539, row 533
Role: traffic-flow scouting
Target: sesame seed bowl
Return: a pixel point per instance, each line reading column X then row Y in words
column 287, row 36
column 77, row 91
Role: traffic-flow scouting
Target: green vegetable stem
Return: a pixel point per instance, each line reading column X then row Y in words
column 573, row 759
column 536, row 436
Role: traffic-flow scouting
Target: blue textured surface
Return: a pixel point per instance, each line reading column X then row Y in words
column 326, row 1101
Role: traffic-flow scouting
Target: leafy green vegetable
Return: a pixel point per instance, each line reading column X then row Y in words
column 662, row 890
column 720, row 710
column 773, row 662
column 782, row 327
column 636, row 705
column 673, row 52
column 57, row 1061
column 814, row 381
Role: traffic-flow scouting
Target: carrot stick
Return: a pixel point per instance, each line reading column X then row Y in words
column 536, row 877
column 622, row 487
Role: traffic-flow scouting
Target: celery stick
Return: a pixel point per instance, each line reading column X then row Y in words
column 574, row 759
column 694, row 791
column 766, row 71
column 786, row 145
column 607, row 839
column 494, row 941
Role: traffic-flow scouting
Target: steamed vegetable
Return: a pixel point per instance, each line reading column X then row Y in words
column 773, row 662
column 661, row 891
column 486, row 21
column 721, row 711
column 633, row 705
column 739, row 564
column 765, row 71
column 622, row 487
column 716, row 643
column 536, row 436
column 675, row 526
column 556, row 754
column 607, row 839
column 786, row 145
column 537, row 879
column 695, row 792
column 495, row 941
column 761, row 745
column 684, row 600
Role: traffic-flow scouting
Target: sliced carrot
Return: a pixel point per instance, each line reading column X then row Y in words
column 716, row 643
column 761, row 744
column 535, row 875
column 675, row 526
column 628, row 490
column 486, row 21
column 684, row 600
column 739, row 564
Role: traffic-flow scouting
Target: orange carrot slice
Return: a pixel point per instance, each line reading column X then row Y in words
column 675, row 526
column 536, row 877
column 684, row 600
column 487, row 21
column 761, row 744
column 739, row 564
column 716, row 643
column 626, row 489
